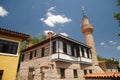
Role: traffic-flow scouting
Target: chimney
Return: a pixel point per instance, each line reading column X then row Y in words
column 50, row 34
column 29, row 44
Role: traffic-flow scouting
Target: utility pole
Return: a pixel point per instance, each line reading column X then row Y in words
column 50, row 34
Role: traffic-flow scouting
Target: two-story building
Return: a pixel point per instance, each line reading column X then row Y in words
column 68, row 60
column 10, row 42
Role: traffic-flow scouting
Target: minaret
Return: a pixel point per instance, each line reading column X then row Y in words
column 87, row 30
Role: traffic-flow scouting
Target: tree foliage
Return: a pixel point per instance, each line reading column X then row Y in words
column 108, row 60
column 117, row 16
column 34, row 40
column 118, row 2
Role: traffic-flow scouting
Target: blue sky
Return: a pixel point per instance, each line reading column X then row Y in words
column 35, row 17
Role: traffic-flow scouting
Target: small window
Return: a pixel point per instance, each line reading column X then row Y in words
column 62, row 72
column 64, row 47
column 87, row 50
column 82, row 50
column 8, row 47
column 78, row 51
column 22, row 58
column 54, row 47
column 35, row 53
column 42, row 52
column 31, row 54
column 1, row 74
column 90, row 71
column 85, row 72
column 72, row 50
column 31, row 69
column 75, row 73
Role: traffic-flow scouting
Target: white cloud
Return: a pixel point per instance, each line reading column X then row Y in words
column 112, row 42
column 102, row 43
column 53, row 19
column 118, row 48
column 65, row 34
column 3, row 12
column 51, row 9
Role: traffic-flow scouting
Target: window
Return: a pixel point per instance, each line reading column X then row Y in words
column 75, row 73
column 85, row 72
column 54, row 47
column 1, row 74
column 90, row 71
column 82, row 50
column 42, row 52
column 31, row 69
column 31, row 73
column 22, row 58
column 64, row 47
column 35, row 53
column 87, row 50
column 31, row 54
column 78, row 51
column 8, row 47
column 72, row 50
column 62, row 72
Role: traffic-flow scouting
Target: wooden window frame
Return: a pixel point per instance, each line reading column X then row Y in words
column 75, row 73
column 62, row 73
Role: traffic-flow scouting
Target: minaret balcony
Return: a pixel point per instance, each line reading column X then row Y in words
column 69, row 58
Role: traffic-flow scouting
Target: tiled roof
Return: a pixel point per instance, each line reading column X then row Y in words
column 103, row 75
column 13, row 33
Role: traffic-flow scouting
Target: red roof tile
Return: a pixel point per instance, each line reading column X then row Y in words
column 103, row 75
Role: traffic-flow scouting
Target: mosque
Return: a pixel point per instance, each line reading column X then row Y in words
column 63, row 58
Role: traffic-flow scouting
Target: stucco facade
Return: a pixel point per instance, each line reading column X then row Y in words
column 9, row 60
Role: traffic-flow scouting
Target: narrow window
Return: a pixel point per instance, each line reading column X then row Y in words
column 62, row 72
column 22, row 57
column 1, row 74
column 72, row 50
column 75, row 73
column 54, row 47
column 82, row 50
column 90, row 53
column 90, row 71
column 31, row 69
column 87, row 50
column 31, row 73
column 31, row 54
column 35, row 53
column 85, row 72
column 78, row 51
column 64, row 47
column 42, row 52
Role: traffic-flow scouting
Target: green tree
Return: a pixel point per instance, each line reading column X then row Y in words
column 117, row 15
column 34, row 40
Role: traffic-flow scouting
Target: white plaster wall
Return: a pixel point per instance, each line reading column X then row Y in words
column 86, row 60
column 67, row 57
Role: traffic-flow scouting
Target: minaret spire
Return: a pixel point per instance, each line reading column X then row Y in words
column 87, row 30
column 83, row 9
